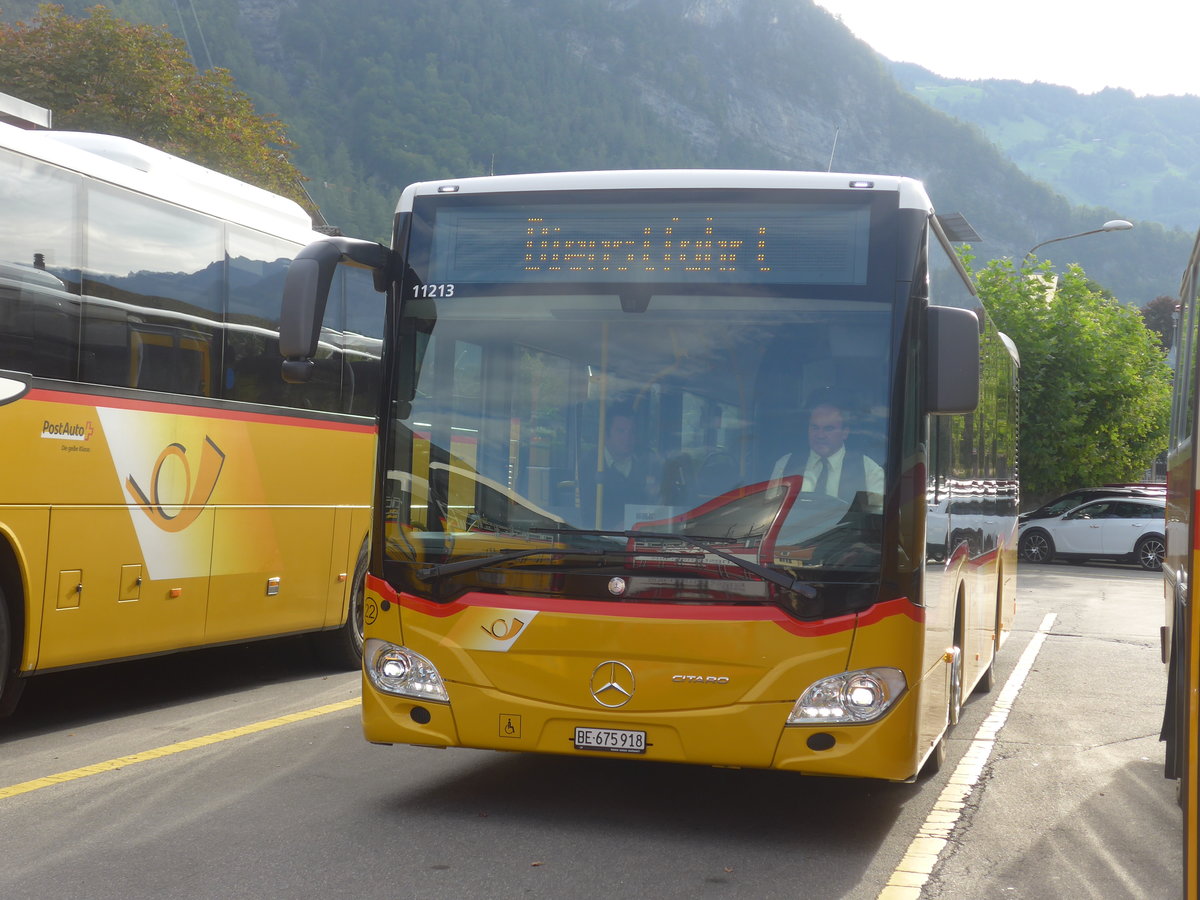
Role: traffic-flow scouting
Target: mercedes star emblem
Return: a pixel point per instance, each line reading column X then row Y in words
column 612, row 684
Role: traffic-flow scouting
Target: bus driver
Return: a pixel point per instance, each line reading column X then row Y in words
column 831, row 468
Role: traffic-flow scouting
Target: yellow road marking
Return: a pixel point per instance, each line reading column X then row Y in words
column 170, row 749
column 922, row 855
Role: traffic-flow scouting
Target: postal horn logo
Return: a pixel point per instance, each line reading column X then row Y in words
column 169, row 514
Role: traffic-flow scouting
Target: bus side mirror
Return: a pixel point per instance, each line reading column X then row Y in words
column 306, row 294
column 952, row 373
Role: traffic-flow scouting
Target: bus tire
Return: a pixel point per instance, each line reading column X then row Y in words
column 342, row 647
column 10, row 685
column 954, row 713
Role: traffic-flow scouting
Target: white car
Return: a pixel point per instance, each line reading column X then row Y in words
column 1127, row 529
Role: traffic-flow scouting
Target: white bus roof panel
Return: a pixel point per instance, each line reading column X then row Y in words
column 912, row 192
column 145, row 170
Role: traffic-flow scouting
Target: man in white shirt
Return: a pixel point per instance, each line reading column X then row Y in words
column 832, row 469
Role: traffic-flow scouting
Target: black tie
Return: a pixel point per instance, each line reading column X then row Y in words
column 823, row 478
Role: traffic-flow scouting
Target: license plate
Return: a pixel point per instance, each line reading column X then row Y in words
column 614, row 740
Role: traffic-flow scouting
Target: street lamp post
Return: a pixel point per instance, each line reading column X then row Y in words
column 1110, row 225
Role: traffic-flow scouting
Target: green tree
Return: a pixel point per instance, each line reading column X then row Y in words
column 1095, row 386
column 1159, row 316
column 106, row 75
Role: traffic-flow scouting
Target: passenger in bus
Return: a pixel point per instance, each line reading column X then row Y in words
column 831, row 468
column 629, row 475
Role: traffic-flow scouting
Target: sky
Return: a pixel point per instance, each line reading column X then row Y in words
column 1149, row 47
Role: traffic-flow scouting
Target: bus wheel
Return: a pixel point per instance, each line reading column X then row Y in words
column 10, row 685
column 956, row 678
column 342, row 648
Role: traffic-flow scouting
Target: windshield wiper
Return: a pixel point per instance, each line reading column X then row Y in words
column 656, row 535
column 480, row 562
column 704, row 543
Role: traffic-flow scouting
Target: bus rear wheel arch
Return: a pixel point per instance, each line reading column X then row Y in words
column 342, row 647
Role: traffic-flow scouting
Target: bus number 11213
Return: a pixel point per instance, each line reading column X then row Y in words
column 433, row 290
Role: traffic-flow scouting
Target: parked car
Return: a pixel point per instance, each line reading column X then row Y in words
column 1123, row 528
column 1072, row 499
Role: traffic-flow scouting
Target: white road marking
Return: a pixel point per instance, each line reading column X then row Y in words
column 932, row 837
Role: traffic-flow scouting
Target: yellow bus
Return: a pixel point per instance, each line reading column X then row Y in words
column 162, row 488
column 1181, row 629
column 689, row 466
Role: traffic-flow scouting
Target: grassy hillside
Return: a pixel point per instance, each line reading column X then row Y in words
column 1140, row 156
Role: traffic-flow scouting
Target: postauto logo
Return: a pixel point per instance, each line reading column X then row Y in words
column 166, row 514
column 67, row 431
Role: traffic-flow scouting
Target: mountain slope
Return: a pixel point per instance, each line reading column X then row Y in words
column 379, row 93
column 1139, row 155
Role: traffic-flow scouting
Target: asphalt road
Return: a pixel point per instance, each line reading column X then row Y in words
column 241, row 772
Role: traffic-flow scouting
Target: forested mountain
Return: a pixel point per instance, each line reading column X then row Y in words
column 379, row 93
column 1140, row 155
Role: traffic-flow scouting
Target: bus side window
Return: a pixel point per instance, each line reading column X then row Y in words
column 39, row 275
column 39, row 324
column 153, row 296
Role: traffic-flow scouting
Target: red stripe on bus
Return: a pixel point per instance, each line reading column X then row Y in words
column 772, row 614
column 963, row 553
column 870, row 616
column 185, row 409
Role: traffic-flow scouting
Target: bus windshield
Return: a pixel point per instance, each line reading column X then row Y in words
column 546, row 431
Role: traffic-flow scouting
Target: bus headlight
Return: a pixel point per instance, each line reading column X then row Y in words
column 851, row 698
column 400, row 671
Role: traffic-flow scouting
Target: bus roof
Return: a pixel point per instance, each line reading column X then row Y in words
column 912, row 192
column 145, row 170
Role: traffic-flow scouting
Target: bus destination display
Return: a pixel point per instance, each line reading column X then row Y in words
column 664, row 243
